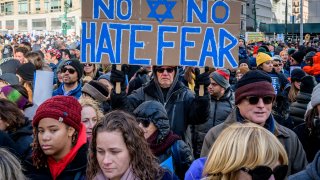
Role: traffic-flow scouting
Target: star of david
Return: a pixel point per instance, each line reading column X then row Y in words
column 154, row 4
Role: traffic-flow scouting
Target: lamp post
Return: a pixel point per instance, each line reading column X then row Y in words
column 65, row 18
column 301, row 22
column 286, row 23
column 255, row 15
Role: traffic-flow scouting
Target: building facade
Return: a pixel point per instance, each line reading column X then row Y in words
column 314, row 11
column 21, row 16
column 279, row 11
column 296, row 11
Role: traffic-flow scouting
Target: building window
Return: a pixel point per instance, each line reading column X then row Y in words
column 69, row 2
column 46, row 6
column 23, row 7
column 55, row 5
column 2, row 9
column 55, row 23
column 39, row 24
column 10, row 24
column 37, row 5
column 23, row 25
column 8, row 8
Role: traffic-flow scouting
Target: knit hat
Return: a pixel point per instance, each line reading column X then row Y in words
column 76, row 65
column 246, row 61
column 315, row 96
column 26, row 71
column 242, row 70
column 64, row 109
column 15, row 96
column 291, row 51
column 262, row 58
column 307, row 84
column 9, row 66
column 297, row 75
column 10, row 78
column 96, row 90
column 277, row 58
column 254, row 83
column 298, row 56
column 221, row 76
column 105, row 76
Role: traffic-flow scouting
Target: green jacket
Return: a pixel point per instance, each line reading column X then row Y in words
column 296, row 155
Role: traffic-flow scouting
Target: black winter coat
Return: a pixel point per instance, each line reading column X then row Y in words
column 182, row 106
column 219, row 111
column 298, row 108
column 75, row 170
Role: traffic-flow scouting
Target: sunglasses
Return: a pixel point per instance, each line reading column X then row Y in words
column 71, row 71
column 161, row 70
column 277, row 65
column 144, row 121
column 265, row 172
column 87, row 64
column 253, row 100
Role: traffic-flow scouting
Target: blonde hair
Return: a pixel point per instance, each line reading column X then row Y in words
column 243, row 145
column 87, row 101
column 10, row 167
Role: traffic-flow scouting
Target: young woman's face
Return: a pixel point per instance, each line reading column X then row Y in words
column 297, row 84
column 89, row 118
column 112, row 154
column 284, row 57
column 55, row 138
column 88, row 68
column 267, row 66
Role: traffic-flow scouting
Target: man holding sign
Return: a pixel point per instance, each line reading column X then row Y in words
column 183, row 107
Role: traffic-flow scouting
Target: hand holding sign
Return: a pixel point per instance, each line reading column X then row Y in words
column 118, row 76
column 201, row 80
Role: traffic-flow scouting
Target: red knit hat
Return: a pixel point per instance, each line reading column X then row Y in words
column 62, row 108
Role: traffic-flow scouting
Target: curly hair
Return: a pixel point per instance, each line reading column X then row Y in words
column 11, row 114
column 38, row 157
column 144, row 163
column 90, row 102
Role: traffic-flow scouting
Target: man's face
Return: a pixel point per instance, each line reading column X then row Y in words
column 215, row 89
column 69, row 75
column 257, row 113
column 19, row 56
column 165, row 75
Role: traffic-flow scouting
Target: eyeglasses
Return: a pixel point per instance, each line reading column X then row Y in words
column 71, row 71
column 87, row 64
column 265, row 172
column 161, row 70
column 144, row 121
column 277, row 65
column 253, row 100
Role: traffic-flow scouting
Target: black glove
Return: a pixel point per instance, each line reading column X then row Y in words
column 202, row 79
column 119, row 76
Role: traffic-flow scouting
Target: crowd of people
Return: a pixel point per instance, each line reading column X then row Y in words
column 259, row 121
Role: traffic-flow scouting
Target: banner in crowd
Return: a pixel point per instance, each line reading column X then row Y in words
column 252, row 37
column 161, row 32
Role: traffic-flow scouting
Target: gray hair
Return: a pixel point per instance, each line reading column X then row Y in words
column 10, row 167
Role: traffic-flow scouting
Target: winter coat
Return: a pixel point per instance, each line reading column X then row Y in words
column 296, row 155
column 75, row 92
column 75, row 170
column 196, row 169
column 309, row 141
column 298, row 108
column 23, row 138
column 164, row 139
column 313, row 70
column 219, row 111
column 312, row 172
column 8, row 143
column 182, row 106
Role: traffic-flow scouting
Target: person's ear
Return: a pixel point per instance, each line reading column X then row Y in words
column 71, row 131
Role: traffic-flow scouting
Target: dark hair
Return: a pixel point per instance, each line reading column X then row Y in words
column 309, row 118
column 27, row 45
column 11, row 114
column 35, row 58
column 144, row 163
column 66, row 51
column 23, row 50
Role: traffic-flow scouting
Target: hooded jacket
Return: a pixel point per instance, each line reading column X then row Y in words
column 182, row 106
column 182, row 159
column 311, row 172
column 219, row 111
column 74, row 92
column 296, row 154
column 299, row 108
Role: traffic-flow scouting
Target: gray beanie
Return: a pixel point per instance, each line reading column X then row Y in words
column 221, row 77
column 315, row 96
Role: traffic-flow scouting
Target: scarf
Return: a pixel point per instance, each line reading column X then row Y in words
column 160, row 148
column 57, row 167
column 128, row 175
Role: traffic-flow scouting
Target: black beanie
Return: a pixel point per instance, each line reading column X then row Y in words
column 298, row 56
column 253, row 76
column 307, row 84
column 75, row 63
column 297, row 75
column 26, row 71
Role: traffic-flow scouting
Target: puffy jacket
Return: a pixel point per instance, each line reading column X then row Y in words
column 296, row 155
column 298, row 108
column 315, row 68
column 312, row 172
column 75, row 170
column 219, row 111
column 182, row 106
column 178, row 149
column 75, row 92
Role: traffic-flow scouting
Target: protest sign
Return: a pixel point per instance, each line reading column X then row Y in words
column 43, row 86
column 252, row 37
column 161, row 32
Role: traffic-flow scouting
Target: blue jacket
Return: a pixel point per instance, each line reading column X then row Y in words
column 196, row 169
column 311, row 172
column 74, row 92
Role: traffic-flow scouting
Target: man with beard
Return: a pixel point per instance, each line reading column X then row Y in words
column 72, row 72
column 221, row 104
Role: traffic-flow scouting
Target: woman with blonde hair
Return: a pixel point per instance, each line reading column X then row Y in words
column 246, row 150
column 10, row 167
column 90, row 72
column 90, row 113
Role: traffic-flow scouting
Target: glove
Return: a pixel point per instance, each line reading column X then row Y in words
column 119, row 76
column 202, row 79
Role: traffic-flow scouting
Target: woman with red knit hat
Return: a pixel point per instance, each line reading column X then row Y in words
column 60, row 143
